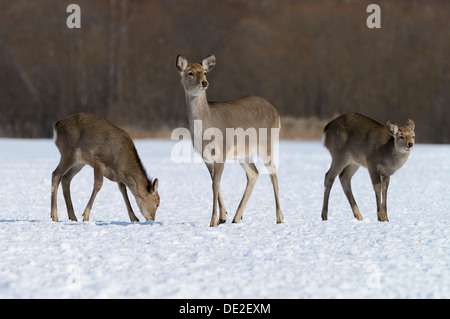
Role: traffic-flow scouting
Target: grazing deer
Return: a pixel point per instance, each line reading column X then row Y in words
column 89, row 139
column 249, row 112
column 355, row 140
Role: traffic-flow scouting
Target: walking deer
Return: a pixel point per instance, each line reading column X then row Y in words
column 249, row 112
column 355, row 140
column 89, row 139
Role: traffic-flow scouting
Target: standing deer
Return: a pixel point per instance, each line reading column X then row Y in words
column 89, row 139
column 355, row 140
column 249, row 112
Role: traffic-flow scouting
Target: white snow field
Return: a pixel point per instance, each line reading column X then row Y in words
column 180, row 256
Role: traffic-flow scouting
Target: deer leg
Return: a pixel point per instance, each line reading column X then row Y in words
column 123, row 190
column 385, row 184
column 330, row 176
column 99, row 170
column 252, row 176
column 266, row 155
column 345, row 178
column 64, row 165
column 56, row 179
column 274, row 179
column 378, row 188
column 216, row 176
column 65, row 182
column 223, row 211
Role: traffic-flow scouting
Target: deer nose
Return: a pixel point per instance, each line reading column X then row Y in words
column 204, row 83
column 410, row 144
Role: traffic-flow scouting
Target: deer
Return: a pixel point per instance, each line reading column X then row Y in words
column 248, row 112
column 87, row 139
column 355, row 140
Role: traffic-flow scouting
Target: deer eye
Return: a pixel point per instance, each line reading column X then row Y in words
column 401, row 137
column 190, row 73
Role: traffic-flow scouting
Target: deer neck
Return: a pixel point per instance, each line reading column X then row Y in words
column 395, row 152
column 197, row 108
column 394, row 159
column 136, row 178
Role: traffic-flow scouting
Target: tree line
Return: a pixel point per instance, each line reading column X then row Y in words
column 311, row 59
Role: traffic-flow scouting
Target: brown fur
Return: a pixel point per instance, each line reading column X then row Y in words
column 89, row 139
column 245, row 112
column 355, row 140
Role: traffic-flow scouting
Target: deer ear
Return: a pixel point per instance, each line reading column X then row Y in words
column 181, row 63
column 209, row 63
column 392, row 127
column 153, row 187
column 411, row 124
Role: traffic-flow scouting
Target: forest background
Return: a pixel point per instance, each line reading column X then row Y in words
column 312, row 59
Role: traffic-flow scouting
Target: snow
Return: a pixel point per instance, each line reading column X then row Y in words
column 180, row 256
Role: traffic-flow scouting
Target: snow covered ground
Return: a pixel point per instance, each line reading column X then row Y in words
column 179, row 256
